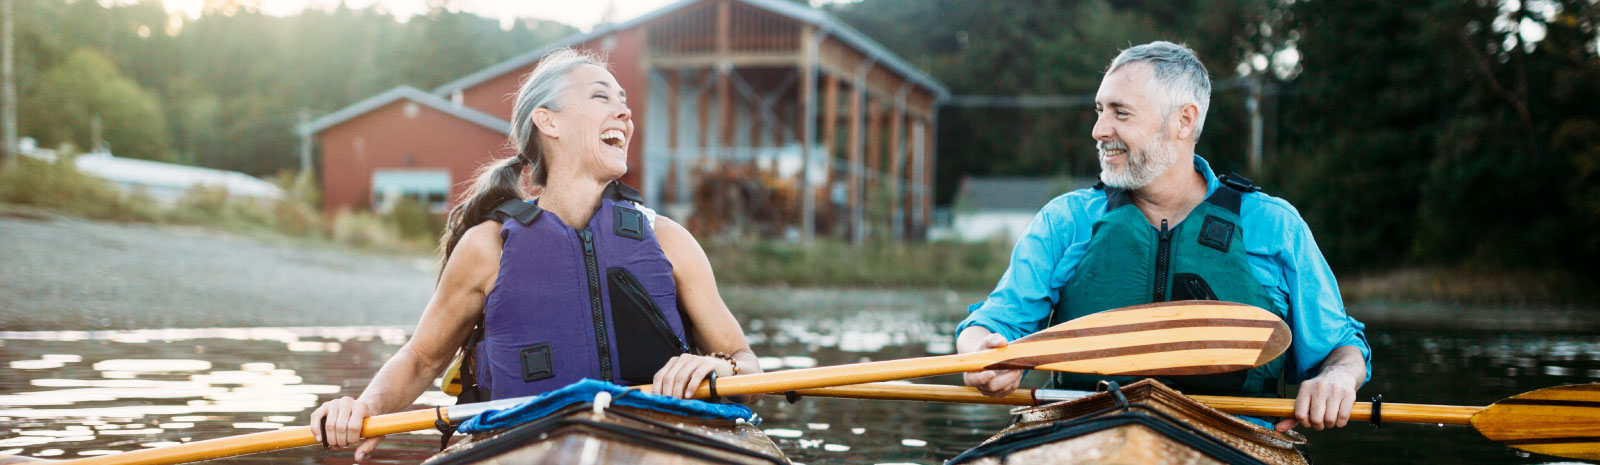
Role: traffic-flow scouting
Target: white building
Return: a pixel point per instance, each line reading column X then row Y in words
column 987, row 208
column 164, row 182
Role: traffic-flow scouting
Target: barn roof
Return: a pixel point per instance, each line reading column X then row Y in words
column 815, row 17
column 406, row 93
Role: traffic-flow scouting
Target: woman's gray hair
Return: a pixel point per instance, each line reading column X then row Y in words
column 1176, row 76
column 542, row 89
column 501, row 179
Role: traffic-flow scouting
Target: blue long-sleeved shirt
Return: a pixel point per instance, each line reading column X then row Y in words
column 1282, row 255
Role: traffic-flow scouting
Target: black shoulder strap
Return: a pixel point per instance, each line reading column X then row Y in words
column 1232, row 192
column 1115, row 197
column 523, row 211
column 619, row 191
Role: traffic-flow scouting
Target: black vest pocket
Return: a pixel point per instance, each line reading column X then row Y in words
column 1189, row 286
column 645, row 341
column 537, row 363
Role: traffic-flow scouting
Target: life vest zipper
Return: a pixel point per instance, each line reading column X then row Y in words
column 596, row 307
column 1163, row 256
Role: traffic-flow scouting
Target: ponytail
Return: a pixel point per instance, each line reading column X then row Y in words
column 495, row 183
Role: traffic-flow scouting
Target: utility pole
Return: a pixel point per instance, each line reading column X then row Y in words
column 304, row 178
column 8, row 88
column 305, row 141
column 1252, row 105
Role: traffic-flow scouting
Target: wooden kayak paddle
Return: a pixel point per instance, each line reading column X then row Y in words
column 1171, row 338
column 1562, row 421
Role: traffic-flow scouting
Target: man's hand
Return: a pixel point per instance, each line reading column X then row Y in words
column 1325, row 400
column 992, row 383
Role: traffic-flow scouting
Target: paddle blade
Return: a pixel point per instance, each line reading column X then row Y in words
column 1164, row 339
column 1563, row 421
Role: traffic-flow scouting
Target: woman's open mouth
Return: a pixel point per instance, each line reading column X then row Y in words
column 614, row 138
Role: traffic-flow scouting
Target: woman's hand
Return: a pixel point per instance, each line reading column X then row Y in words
column 682, row 375
column 344, row 417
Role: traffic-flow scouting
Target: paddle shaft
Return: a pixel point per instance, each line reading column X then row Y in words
column 1362, row 411
column 259, row 442
column 856, row 373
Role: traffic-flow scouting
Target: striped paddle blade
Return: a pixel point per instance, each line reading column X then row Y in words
column 1563, row 421
column 1162, row 339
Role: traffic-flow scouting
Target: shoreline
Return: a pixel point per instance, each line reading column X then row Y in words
column 67, row 273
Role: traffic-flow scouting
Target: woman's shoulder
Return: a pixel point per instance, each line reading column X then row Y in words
column 480, row 242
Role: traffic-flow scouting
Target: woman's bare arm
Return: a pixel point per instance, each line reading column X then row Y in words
column 716, row 330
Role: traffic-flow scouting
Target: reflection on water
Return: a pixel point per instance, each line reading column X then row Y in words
column 83, row 393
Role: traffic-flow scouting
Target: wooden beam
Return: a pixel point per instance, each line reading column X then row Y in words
column 737, row 59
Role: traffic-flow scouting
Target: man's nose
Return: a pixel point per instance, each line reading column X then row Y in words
column 1102, row 130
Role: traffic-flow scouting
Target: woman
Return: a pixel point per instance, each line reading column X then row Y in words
column 581, row 282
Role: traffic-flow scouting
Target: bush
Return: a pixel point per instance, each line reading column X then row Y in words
column 363, row 230
column 59, row 186
column 876, row 264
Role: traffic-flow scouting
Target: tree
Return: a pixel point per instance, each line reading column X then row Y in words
column 86, row 86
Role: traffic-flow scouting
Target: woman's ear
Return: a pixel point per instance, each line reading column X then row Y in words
column 545, row 120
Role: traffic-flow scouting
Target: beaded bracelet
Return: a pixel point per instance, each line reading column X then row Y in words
column 729, row 358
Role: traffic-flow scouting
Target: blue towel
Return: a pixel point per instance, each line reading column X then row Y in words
column 584, row 391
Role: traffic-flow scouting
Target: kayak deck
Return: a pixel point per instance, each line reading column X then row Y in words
column 1153, row 425
column 617, row 435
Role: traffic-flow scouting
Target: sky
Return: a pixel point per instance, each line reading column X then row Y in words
column 583, row 14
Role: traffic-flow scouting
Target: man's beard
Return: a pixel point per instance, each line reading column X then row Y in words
column 1140, row 166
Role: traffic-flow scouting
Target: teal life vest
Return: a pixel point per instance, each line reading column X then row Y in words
column 1130, row 262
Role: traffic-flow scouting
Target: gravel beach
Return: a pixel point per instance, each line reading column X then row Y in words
column 62, row 273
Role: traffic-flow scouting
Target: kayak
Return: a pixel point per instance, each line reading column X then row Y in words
column 582, row 434
column 1143, row 423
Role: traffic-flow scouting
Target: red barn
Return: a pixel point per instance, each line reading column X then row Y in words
column 719, row 88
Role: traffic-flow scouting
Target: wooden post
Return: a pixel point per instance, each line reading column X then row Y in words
column 671, row 189
column 918, row 190
column 830, row 121
column 874, row 154
column 8, row 88
column 897, row 158
column 928, row 165
column 857, row 94
column 725, row 115
column 808, row 133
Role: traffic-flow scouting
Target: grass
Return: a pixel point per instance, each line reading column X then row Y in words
column 1470, row 285
column 832, row 263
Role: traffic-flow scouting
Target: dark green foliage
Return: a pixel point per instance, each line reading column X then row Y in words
column 1416, row 136
column 232, row 82
column 1408, row 134
column 85, row 86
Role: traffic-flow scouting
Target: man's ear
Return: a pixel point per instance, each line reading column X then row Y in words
column 1188, row 115
column 545, row 121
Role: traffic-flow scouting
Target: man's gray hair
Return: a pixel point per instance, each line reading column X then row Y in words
column 1176, row 76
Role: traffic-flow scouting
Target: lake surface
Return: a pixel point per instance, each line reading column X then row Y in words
column 68, row 394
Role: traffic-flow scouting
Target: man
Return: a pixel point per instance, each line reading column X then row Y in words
column 1160, row 227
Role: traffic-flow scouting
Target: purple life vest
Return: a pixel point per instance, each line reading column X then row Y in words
column 568, row 304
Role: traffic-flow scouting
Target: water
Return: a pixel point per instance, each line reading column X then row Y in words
column 67, row 394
